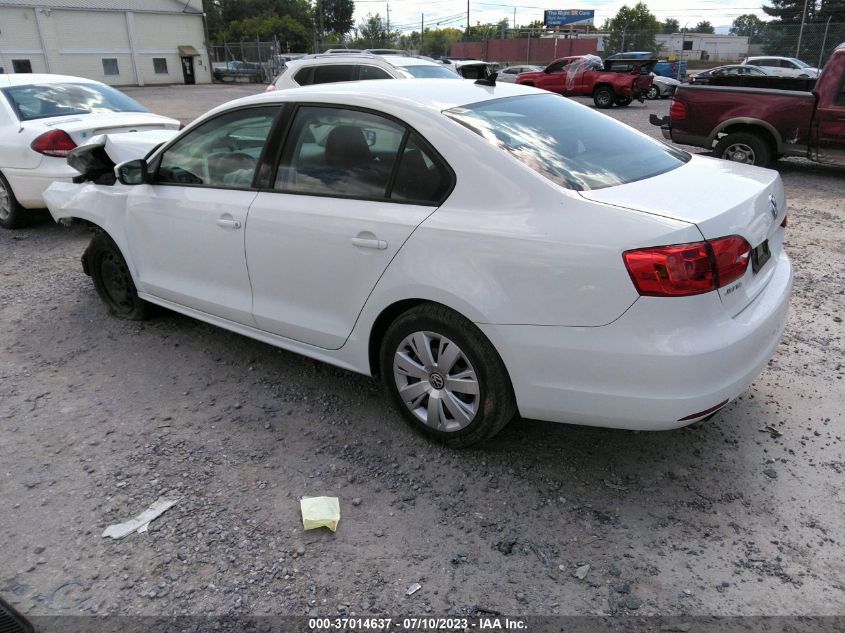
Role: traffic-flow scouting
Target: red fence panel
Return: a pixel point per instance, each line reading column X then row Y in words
column 534, row 50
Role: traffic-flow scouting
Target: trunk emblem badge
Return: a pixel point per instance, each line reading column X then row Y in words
column 774, row 206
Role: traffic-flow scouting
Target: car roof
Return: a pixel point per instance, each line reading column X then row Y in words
column 405, row 60
column 428, row 94
column 28, row 79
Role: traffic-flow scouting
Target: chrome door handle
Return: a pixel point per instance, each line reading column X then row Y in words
column 224, row 223
column 369, row 243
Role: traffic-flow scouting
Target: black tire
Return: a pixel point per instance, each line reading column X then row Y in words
column 113, row 281
column 744, row 147
column 494, row 405
column 604, row 97
column 12, row 214
column 653, row 92
column 623, row 102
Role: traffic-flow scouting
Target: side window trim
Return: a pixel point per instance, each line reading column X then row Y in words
column 282, row 148
column 162, row 150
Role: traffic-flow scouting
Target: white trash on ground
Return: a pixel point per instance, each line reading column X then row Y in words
column 141, row 522
column 320, row 512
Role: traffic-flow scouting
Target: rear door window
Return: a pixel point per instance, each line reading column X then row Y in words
column 422, row 176
column 372, row 72
column 333, row 73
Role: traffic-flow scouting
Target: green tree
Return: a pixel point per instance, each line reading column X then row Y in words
column 669, row 26
column 790, row 11
column 338, row 16
column 748, row 25
column 438, row 42
column 704, row 27
column 373, row 33
column 632, row 29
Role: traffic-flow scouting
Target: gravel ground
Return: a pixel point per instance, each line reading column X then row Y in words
column 99, row 418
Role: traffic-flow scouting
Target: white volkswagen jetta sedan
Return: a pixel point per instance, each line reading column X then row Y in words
column 485, row 250
column 42, row 117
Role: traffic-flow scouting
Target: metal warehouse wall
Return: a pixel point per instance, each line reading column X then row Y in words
column 525, row 50
column 76, row 43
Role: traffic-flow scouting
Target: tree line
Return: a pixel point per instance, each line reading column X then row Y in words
column 306, row 25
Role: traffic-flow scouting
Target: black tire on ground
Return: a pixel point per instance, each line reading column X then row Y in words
column 653, row 92
column 113, row 280
column 494, row 405
column 624, row 101
column 603, row 97
column 12, row 214
column 744, row 147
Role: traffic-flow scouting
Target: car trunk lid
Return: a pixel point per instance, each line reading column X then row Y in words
column 82, row 128
column 721, row 198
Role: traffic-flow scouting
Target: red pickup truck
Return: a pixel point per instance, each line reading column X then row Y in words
column 613, row 81
column 759, row 125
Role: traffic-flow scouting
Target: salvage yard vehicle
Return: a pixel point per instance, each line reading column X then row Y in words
column 359, row 224
column 662, row 87
column 608, row 83
column 42, row 118
column 759, row 125
column 782, row 66
column 334, row 67
column 239, row 71
column 705, row 76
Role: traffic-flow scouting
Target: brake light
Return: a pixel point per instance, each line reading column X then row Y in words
column 55, row 143
column 682, row 270
column 678, row 110
column 270, row 88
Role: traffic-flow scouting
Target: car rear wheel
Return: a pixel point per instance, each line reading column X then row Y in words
column 603, row 97
column 653, row 93
column 113, row 280
column 12, row 214
column 445, row 377
column 744, row 147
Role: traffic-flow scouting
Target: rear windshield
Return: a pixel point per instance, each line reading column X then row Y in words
column 568, row 143
column 430, row 72
column 53, row 100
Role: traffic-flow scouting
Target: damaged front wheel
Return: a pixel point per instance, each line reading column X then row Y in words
column 113, row 280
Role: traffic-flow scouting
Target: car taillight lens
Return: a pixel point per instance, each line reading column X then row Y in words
column 271, row 88
column 682, row 270
column 678, row 110
column 56, row 143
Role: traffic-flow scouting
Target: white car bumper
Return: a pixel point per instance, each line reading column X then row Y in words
column 29, row 185
column 651, row 369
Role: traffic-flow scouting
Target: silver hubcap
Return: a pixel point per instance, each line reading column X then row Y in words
column 436, row 381
column 740, row 153
column 5, row 203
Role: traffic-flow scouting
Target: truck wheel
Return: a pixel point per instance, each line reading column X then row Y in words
column 653, row 93
column 744, row 147
column 603, row 97
column 623, row 101
column 12, row 214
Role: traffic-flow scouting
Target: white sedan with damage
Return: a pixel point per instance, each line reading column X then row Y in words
column 486, row 250
column 42, row 118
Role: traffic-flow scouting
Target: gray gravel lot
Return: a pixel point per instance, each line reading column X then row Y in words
column 742, row 515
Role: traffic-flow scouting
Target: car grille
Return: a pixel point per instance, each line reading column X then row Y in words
column 11, row 621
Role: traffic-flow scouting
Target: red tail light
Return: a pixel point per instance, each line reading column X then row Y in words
column 682, row 270
column 270, row 88
column 678, row 110
column 56, row 143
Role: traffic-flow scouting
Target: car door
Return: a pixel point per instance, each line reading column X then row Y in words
column 830, row 127
column 351, row 187
column 554, row 77
column 186, row 228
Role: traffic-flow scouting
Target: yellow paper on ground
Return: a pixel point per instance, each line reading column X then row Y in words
column 320, row 512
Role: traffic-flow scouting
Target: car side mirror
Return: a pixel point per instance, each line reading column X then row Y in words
column 133, row 172
column 546, row 70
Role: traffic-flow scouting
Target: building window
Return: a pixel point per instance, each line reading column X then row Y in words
column 110, row 67
column 160, row 65
column 21, row 66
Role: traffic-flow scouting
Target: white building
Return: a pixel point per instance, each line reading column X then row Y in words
column 118, row 42
column 703, row 46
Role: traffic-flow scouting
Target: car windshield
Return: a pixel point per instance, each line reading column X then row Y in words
column 799, row 63
column 42, row 101
column 568, row 143
column 430, row 72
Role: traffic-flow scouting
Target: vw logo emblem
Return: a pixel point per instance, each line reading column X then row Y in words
column 773, row 203
column 436, row 380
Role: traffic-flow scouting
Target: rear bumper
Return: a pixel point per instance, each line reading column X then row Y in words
column 653, row 368
column 669, row 134
column 29, row 185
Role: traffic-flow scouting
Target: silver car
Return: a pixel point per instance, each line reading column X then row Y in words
column 509, row 73
column 662, row 87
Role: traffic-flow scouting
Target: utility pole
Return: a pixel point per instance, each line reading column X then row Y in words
column 320, row 26
column 824, row 42
column 467, row 17
column 801, row 31
column 388, row 19
column 422, row 31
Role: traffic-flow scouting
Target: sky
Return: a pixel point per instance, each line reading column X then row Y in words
column 405, row 14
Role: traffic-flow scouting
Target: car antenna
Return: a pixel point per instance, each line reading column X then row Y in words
column 489, row 80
